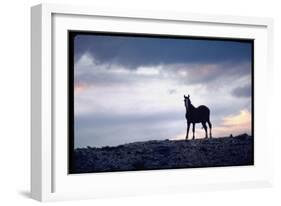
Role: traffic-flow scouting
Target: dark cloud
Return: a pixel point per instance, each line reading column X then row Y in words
column 207, row 73
column 204, row 60
column 187, row 74
column 244, row 91
column 133, row 52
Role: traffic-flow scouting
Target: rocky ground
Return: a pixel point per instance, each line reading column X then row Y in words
column 166, row 154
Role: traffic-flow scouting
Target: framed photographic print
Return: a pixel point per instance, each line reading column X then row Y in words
column 128, row 109
column 138, row 102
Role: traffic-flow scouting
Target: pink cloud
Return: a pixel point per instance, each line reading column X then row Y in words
column 79, row 88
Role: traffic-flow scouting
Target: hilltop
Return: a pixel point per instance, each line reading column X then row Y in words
column 165, row 154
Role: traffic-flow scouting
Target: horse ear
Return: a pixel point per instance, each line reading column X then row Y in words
column 184, row 96
column 188, row 96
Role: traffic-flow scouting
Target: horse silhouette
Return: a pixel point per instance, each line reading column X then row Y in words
column 195, row 115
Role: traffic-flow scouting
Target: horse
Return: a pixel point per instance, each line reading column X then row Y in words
column 195, row 115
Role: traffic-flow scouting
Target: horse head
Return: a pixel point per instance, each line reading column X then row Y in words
column 186, row 100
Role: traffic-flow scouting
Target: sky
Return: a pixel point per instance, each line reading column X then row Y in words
column 131, row 88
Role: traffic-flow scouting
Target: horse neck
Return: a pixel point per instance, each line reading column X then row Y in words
column 189, row 107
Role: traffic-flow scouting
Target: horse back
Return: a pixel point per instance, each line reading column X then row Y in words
column 201, row 114
column 203, row 109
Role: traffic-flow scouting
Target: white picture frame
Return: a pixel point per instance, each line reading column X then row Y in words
column 49, row 178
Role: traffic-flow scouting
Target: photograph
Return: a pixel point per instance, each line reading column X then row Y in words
column 151, row 102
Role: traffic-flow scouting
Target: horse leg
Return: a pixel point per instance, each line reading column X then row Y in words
column 210, row 128
column 193, row 130
column 205, row 128
column 187, row 131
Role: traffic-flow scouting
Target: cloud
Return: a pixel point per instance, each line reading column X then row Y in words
column 89, row 71
column 236, row 124
column 134, row 52
column 79, row 88
column 86, row 59
column 244, row 91
column 147, row 71
column 243, row 118
column 172, row 91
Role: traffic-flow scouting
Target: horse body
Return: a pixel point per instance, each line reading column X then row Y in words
column 198, row 114
column 195, row 115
